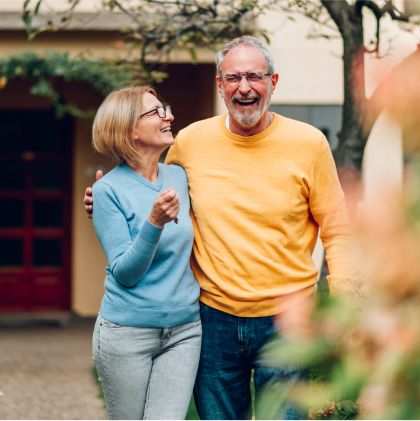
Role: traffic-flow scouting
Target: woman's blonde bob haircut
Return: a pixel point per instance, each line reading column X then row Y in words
column 114, row 123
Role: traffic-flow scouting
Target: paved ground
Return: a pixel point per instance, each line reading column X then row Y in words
column 46, row 373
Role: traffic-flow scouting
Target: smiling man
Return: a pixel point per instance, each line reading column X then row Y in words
column 260, row 187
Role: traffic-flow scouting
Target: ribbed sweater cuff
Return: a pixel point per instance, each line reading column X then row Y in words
column 150, row 233
column 340, row 283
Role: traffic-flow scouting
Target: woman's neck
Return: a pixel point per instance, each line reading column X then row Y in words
column 147, row 166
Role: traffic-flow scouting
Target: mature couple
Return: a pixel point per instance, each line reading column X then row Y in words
column 260, row 186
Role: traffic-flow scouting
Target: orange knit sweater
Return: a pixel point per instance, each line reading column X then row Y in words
column 257, row 205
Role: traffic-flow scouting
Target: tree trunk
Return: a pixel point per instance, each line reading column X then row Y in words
column 352, row 138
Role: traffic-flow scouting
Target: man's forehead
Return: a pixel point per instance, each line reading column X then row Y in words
column 244, row 58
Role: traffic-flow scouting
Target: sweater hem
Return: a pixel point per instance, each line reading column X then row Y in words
column 264, row 308
column 141, row 317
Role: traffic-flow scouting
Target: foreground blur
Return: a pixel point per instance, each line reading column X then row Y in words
column 364, row 354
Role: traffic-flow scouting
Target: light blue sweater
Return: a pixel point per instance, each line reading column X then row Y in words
column 149, row 281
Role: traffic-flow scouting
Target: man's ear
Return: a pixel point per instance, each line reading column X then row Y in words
column 274, row 80
column 219, row 86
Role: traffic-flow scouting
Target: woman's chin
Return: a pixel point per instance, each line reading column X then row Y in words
column 169, row 141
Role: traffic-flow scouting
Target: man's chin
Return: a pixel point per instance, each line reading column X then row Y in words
column 247, row 120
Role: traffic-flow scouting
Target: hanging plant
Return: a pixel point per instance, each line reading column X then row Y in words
column 103, row 75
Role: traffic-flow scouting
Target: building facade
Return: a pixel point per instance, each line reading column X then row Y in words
column 50, row 259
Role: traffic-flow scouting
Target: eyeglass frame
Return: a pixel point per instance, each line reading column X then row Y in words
column 245, row 75
column 165, row 110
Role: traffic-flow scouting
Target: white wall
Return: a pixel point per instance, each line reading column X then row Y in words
column 310, row 70
column 383, row 159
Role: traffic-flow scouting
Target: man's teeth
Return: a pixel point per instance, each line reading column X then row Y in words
column 165, row 129
column 246, row 101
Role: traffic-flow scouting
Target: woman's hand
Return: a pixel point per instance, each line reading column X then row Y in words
column 165, row 209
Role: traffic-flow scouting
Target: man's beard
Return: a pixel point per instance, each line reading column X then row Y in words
column 247, row 120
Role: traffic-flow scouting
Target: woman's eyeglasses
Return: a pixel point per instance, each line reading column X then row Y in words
column 160, row 111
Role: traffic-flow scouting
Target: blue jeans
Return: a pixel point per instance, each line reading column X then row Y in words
column 229, row 351
column 146, row 373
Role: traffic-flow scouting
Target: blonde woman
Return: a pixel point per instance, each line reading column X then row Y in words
column 147, row 337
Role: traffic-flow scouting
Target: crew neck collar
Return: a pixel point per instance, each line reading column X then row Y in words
column 264, row 133
column 143, row 180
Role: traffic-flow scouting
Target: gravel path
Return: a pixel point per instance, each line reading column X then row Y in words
column 46, row 373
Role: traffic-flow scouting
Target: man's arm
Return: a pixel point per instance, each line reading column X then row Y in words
column 328, row 207
column 88, row 199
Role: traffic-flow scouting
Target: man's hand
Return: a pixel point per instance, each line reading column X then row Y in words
column 165, row 209
column 88, row 199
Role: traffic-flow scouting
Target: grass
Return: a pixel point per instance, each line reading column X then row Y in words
column 192, row 413
column 98, row 383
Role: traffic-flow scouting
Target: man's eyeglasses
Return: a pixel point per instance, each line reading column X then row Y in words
column 160, row 111
column 235, row 78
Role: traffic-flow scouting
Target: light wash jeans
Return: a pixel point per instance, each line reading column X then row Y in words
column 146, row 373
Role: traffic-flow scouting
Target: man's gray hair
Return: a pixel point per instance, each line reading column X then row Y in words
column 237, row 42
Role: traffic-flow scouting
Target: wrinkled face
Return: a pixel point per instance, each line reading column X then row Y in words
column 247, row 102
column 152, row 131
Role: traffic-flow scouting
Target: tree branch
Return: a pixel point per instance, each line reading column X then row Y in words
column 379, row 12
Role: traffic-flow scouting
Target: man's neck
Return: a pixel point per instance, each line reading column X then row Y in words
column 237, row 128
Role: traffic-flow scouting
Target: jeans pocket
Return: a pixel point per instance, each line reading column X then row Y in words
column 109, row 324
column 203, row 308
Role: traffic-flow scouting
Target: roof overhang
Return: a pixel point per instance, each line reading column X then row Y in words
column 105, row 21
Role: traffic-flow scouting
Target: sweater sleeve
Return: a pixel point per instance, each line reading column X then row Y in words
column 328, row 207
column 128, row 259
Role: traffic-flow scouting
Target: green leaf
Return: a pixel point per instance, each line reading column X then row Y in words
column 25, row 5
column 27, row 20
column 112, row 4
column 265, row 37
column 37, row 7
column 34, row 33
column 193, row 54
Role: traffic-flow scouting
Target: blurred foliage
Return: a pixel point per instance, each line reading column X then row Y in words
column 364, row 364
column 103, row 75
column 364, row 354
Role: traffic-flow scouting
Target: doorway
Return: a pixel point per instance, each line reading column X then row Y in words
column 35, row 211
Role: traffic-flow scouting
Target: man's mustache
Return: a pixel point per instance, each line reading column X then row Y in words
column 242, row 97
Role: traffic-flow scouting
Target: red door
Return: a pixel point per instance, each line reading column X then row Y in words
column 35, row 211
